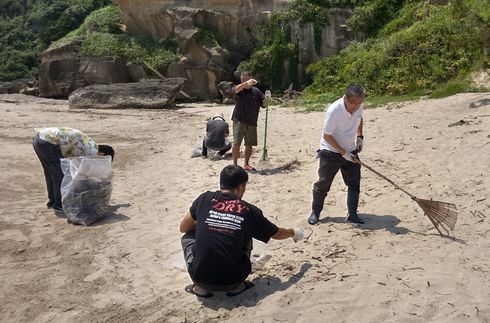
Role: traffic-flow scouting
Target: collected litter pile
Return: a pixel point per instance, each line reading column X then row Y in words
column 86, row 188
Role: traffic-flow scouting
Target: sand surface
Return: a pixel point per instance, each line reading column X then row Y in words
column 128, row 267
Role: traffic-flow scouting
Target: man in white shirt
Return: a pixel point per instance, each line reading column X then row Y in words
column 341, row 140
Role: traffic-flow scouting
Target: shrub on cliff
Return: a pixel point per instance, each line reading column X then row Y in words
column 425, row 47
column 102, row 35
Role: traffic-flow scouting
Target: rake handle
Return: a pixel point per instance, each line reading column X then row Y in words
column 266, row 117
column 386, row 178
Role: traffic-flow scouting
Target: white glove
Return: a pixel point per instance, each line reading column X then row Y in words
column 251, row 82
column 359, row 144
column 298, row 234
column 348, row 156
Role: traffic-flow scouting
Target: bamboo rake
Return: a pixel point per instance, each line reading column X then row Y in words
column 442, row 215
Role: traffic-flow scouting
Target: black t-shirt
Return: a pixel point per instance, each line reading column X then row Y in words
column 248, row 103
column 216, row 131
column 224, row 231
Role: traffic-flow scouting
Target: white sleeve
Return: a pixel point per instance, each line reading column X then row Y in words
column 329, row 123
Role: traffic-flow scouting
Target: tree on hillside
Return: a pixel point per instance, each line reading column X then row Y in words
column 27, row 27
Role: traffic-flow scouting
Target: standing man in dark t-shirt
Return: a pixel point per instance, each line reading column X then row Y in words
column 248, row 99
column 217, row 130
column 219, row 228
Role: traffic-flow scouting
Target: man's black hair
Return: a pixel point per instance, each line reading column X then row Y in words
column 231, row 177
column 106, row 150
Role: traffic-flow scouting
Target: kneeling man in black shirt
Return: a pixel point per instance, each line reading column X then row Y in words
column 219, row 228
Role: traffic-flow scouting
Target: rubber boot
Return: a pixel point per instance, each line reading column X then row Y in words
column 316, row 208
column 352, row 203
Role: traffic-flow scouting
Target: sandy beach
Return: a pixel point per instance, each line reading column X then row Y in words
column 129, row 267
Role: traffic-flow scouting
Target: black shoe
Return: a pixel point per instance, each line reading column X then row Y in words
column 314, row 217
column 354, row 219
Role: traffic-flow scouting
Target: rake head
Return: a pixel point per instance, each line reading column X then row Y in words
column 441, row 214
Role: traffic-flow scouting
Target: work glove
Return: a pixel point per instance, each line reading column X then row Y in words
column 359, row 143
column 350, row 157
column 298, row 234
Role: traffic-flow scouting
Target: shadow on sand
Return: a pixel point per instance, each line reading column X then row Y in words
column 112, row 216
column 373, row 222
column 264, row 286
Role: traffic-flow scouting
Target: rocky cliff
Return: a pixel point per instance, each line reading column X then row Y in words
column 234, row 21
column 187, row 23
column 63, row 70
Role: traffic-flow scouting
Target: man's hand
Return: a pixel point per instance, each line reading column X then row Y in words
column 359, row 143
column 350, row 157
column 298, row 234
column 251, row 82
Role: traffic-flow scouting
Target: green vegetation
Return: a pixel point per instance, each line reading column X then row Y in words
column 276, row 53
column 101, row 36
column 424, row 49
column 209, row 38
column 412, row 47
column 27, row 27
column 267, row 63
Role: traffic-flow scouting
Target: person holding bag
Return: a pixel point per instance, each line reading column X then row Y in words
column 53, row 143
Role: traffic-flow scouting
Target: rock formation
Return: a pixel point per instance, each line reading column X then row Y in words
column 23, row 86
column 225, row 89
column 234, row 21
column 63, row 70
column 149, row 94
column 213, row 38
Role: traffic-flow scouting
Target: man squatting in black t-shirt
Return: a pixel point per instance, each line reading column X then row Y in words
column 217, row 130
column 248, row 100
column 219, row 228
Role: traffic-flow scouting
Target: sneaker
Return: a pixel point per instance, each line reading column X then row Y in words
column 314, row 217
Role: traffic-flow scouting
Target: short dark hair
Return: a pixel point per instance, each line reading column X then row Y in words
column 106, row 150
column 355, row 91
column 231, row 177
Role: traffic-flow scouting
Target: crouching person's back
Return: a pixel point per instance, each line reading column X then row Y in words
column 219, row 228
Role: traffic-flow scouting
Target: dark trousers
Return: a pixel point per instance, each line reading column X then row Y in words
column 50, row 156
column 188, row 241
column 221, row 152
column 330, row 163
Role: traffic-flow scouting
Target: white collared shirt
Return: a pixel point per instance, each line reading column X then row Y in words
column 342, row 125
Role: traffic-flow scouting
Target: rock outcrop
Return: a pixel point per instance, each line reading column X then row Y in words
column 23, row 86
column 204, row 65
column 334, row 37
column 225, row 89
column 234, row 22
column 147, row 94
column 213, row 38
column 63, row 70
column 59, row 71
